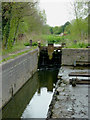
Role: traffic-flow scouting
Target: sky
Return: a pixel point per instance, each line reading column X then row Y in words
column 57, row 11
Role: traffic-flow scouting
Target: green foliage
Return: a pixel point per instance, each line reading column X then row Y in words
column 15, row 55
column 25, row 18
column 33, row 44
column 58, row 29
column 78, row 32
column 78, row 29
column 17, row 47
column 78, row 45
column 21, row 18
column 27, row 44
column 51, row 30
column 52, row 38
column 80, row 9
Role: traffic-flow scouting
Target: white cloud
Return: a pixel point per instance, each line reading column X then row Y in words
column 47, row 1
column 56, row 11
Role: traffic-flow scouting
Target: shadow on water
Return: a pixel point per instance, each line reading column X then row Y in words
column 18, row 103
column 39, row 89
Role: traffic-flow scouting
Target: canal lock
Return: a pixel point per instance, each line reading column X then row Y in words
column 33, row 100
column 50, row 57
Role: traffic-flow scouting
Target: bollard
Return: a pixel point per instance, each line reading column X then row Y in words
column 31, row 43
column 75, row 41
column 63, row 44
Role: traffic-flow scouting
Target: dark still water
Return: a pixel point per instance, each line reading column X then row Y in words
column 32, row 101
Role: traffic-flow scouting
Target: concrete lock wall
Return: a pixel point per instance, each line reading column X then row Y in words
column 16, row 72
column 75, row 56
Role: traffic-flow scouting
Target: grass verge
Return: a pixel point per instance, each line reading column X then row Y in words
column 17, row 54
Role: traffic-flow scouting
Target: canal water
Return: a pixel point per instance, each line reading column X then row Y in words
column 33, row 99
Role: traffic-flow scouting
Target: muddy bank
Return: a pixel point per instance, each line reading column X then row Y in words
column 68, row 101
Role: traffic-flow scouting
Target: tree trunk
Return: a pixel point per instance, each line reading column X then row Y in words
column 14, row 39
column 8, row 28
column 78, row 26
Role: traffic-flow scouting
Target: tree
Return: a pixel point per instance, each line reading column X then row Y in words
column 80, row 10
column 20, row 17
column 6, row 18
column 51, row 30
column 22, row 10
column 59, row 29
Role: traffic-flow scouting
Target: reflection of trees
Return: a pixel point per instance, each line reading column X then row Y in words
column 16, row 106
column 43, row 59
column 47, row 79
column 50, row 83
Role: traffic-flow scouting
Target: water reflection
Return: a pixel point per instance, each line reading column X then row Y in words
column 38, row 106
column 33, row 99
column 47, row 79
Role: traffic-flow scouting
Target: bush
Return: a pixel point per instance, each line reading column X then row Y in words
column 27, row 44
column 54, row 39
column 78, row 45
column 33, row 44
column 82, row 45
